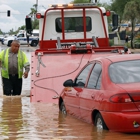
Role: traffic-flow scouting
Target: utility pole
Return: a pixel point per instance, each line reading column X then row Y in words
column 36, row 5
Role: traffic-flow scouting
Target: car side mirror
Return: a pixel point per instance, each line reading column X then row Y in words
column 68, row 83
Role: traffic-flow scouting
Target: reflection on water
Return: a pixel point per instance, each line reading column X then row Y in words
column 11, row 117
column 22, row 120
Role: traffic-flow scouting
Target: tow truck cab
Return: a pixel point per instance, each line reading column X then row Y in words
column 77, row 23
column 69, row 37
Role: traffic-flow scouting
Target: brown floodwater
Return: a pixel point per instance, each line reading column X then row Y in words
column 22, row 120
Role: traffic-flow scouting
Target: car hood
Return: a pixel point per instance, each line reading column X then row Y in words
column 10, row 37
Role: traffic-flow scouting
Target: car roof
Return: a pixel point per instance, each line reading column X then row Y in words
column 123, row 57
column 116, row 57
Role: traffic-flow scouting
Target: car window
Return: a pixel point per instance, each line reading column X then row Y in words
column 95, row 77
column 125, row 72
column 99, row 82
column 20, row 35
column 73, row 24
column 35, row 34
column 82, row 78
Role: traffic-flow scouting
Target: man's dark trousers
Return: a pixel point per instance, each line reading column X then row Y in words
column 13, row 85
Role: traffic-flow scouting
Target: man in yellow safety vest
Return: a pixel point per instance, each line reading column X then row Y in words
column 12, row 61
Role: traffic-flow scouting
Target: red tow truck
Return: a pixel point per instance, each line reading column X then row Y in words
column 69, row 36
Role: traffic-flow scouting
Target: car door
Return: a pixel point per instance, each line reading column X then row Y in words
column 89, row 97
column 71, row 98
column 22, row 39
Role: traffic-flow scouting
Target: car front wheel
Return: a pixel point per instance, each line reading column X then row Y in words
column 34, row 43
column 63, row 108
column 9, row 43
column 99, row 123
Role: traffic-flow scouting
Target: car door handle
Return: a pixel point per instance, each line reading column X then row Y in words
column 92, row 96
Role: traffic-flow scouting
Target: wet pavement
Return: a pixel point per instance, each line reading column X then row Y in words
column 22, row 120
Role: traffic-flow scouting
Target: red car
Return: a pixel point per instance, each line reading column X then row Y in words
column 106, row 93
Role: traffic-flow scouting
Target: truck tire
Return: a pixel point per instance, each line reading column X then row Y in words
column 9, row 43
column 34, row 43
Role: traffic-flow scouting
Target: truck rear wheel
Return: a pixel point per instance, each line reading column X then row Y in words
column 9, row 43
column 34, row 43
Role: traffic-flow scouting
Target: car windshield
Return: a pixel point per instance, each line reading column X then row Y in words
column 125, row 72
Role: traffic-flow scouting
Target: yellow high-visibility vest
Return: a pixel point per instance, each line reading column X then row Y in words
column 22, row 62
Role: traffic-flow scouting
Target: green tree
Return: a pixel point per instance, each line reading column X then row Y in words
column 21, row 28
column 11, row 31
column 1, row 31
column 35, row 22
column 81, row 1
column 131, row 13
column 118, row 6
column 33, row 10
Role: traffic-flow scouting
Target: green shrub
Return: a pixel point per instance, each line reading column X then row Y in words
column 137, row 40
column 111, row 42
column 128, row 44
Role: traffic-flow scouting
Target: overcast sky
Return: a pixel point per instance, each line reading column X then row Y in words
column 19, row 9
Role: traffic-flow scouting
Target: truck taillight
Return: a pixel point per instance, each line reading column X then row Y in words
column 108, row 13
column 38, row 15
column 120, row 98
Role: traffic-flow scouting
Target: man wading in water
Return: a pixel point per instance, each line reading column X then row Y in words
column 12, row 61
